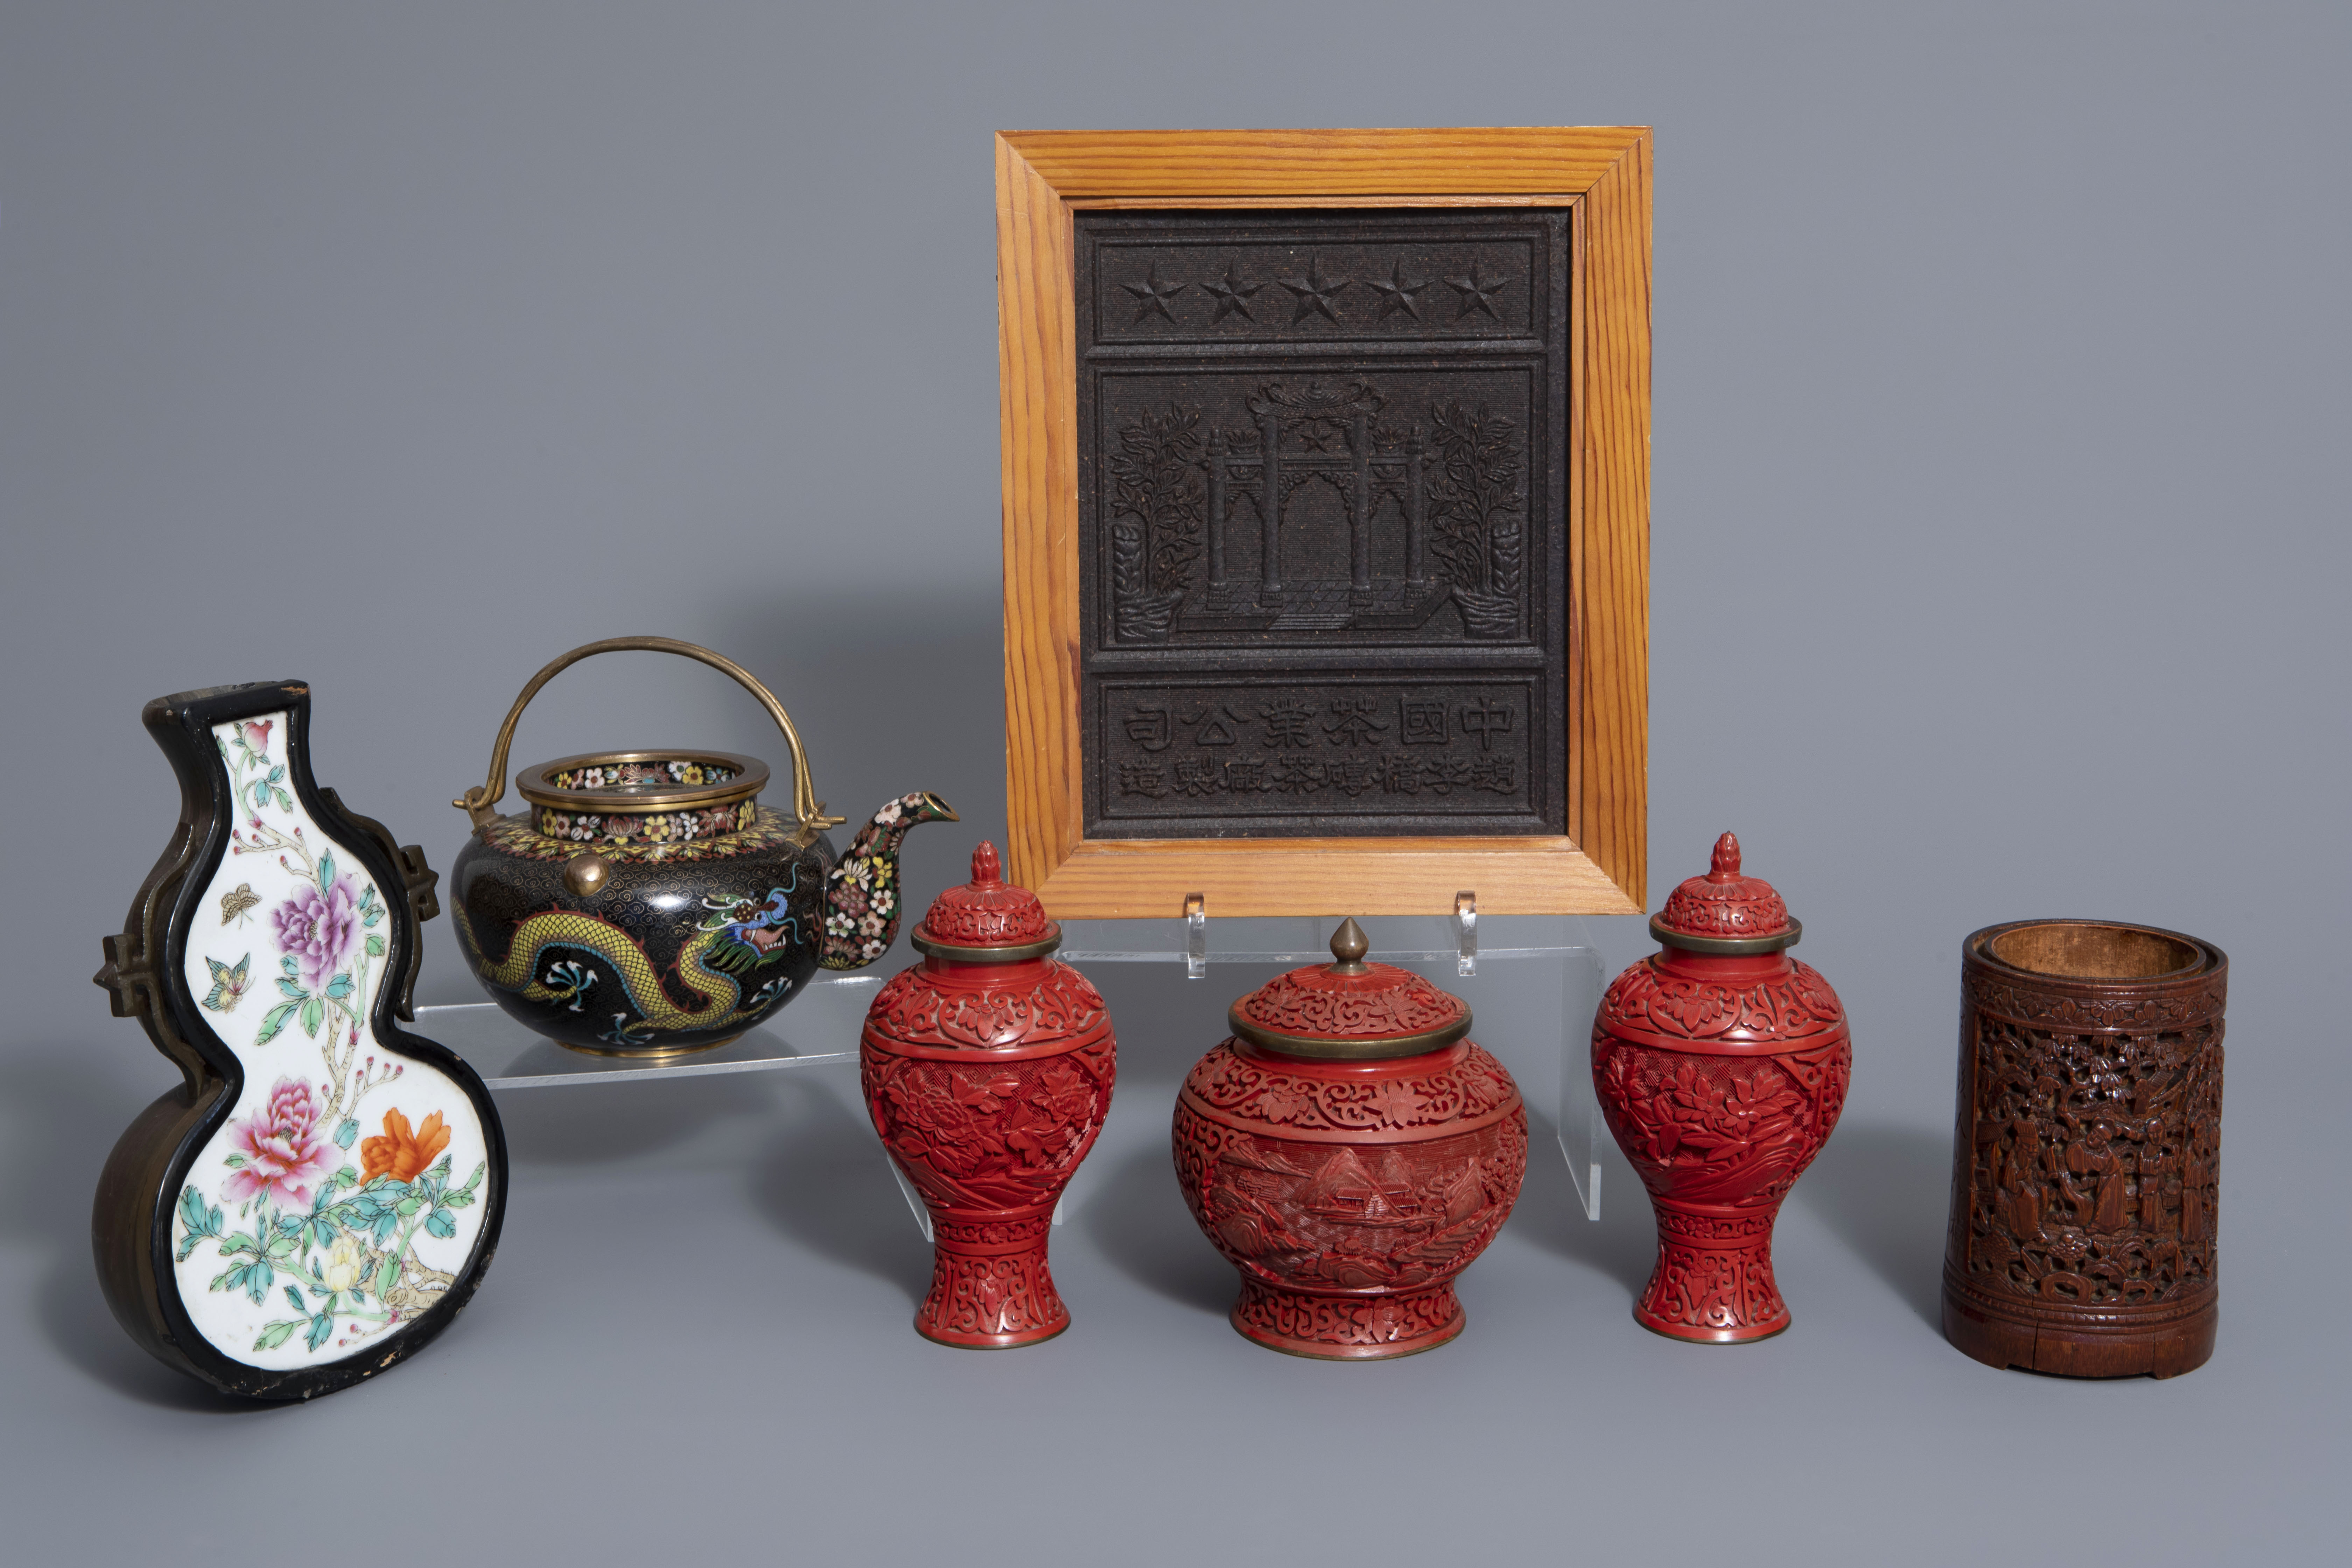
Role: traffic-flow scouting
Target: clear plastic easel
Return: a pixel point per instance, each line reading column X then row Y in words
column 1532, row 983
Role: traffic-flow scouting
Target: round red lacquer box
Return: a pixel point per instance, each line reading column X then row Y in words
column 1350, row 1150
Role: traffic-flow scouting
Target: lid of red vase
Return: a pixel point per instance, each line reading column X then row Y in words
column 988, row 918
column 1350, row 1009
column 1725, row 911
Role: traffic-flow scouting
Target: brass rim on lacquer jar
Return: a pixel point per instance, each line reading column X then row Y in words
column 1349, row 946
column 1323, row 1048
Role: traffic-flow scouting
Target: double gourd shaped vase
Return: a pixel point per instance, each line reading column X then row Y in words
column 988, row 1071
column 1721, row 1065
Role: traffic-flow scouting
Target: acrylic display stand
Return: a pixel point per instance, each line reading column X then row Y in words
column 1532, row 983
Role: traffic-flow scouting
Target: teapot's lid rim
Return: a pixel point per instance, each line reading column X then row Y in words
column 750, row 778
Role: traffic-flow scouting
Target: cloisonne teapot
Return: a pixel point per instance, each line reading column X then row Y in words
column 645, row 903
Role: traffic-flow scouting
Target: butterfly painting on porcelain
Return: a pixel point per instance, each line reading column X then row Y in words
column 346, row 1175
column 334, row 1204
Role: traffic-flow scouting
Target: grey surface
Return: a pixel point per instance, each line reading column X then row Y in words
column 1999, row 538
column 820, row 1027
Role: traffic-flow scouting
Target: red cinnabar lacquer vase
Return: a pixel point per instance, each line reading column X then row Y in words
column 988, row 1071
column 1349, row 1151
column 1721, row 1064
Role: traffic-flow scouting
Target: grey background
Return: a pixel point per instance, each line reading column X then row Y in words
column 1998, row 552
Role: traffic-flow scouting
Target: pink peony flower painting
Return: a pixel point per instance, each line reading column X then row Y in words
column 320, row 930
column 285, row 1151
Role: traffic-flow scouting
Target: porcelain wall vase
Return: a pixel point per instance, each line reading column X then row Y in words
column 323, row 1190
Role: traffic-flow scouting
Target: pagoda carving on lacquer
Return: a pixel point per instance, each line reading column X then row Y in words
column 1450, row 492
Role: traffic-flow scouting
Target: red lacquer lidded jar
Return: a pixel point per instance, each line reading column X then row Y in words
column 988, row 1071
column 1721, row 1064
column 1350, row 1150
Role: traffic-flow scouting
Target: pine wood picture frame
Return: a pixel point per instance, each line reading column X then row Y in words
column 1601, row 176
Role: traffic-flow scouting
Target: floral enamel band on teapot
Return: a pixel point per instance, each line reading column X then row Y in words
column 644, row 797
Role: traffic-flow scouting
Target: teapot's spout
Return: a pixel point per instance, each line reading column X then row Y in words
column 861, row 895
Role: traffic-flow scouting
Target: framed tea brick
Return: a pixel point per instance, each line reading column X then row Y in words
column 1326, row 526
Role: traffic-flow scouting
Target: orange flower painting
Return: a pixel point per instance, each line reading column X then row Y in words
column 402, row 1154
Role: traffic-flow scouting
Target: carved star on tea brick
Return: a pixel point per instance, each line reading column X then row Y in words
column 1232, row 295
column 1478, row 293
column 1396, row 294
column 1152, row 295
column 1314, row 297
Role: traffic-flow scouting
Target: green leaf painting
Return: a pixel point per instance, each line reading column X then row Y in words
column 346, row 1229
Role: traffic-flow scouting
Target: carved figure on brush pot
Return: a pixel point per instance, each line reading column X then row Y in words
column 1721, row 1065
column 988, row 1071
column 1350, row 1151
column 2087, row 1165
column 647, row 903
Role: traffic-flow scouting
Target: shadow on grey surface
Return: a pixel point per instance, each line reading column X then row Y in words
column 589, row 1123
column 1139, row 1219
column 1884, row 1189
column 826, row 1183
column 70, row 1109
column 1622, row 1244
column 75, row 1320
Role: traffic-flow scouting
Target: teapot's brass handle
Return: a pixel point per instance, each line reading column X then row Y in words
column 481, row 801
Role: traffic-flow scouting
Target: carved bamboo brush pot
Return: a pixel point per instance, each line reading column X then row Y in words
column 1350, row 1151
column 1721, row 1065
column 2086, row 1166
column 988, row 1071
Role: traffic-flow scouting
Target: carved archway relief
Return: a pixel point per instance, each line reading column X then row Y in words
column 1319, row 523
